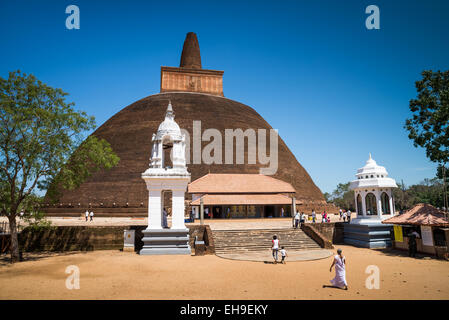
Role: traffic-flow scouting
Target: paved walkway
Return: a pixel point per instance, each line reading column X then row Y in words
column 215, row 224
column 293, row 255
column 248, row 224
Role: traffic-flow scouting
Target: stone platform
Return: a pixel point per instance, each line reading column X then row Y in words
column 166, row 241
column 368, row 235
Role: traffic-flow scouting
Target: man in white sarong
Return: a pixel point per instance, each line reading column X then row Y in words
column 340, row 272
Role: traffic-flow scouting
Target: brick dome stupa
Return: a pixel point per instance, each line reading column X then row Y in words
column 196, row 94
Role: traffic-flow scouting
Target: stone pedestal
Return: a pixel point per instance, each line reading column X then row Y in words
column 166, row 241
column 367, row 234
column 159, row 178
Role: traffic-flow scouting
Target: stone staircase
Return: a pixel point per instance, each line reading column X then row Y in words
column 241, row 241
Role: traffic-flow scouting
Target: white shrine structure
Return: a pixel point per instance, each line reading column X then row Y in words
column 167, row 172
column 373, row 195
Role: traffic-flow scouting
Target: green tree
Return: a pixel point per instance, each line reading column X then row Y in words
column 443, row 175
column 429, row 125
column 39, row 132
column 343, row 197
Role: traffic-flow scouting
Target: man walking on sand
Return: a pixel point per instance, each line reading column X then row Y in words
column 91, row 216
column 87, row 215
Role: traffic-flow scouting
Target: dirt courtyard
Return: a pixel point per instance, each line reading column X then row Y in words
column 126, row 275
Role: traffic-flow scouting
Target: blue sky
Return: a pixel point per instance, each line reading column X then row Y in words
column 335, row 90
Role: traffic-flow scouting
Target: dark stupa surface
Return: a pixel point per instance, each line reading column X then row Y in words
column 121, row 191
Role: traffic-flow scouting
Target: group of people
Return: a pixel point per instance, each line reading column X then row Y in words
column 345, row 215
column 275, row 250
column 87, row 215
column 339, row 262
column 299, row 219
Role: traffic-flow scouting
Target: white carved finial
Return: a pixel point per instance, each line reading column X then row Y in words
column 169, row 114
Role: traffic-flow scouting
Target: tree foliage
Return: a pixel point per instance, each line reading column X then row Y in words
column 428, row 191
column 39, row 133
column 342, row 197
column 429, row 125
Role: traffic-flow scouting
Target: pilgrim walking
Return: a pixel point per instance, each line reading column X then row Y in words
column 339, row 281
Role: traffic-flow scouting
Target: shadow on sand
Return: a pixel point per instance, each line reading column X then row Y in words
column 5, row 259
column 333, row 287
column 404, row 253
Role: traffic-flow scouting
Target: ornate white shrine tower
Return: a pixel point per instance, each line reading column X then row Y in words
column 373, row 193
column 167, row 172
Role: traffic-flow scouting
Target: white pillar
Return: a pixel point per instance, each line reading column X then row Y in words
column 378, row 203
column 154, row 209
column 357, row 209
column 391, row 205
column 178, row 209
column 363, row 195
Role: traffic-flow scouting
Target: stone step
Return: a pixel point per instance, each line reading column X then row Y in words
column 256, row 240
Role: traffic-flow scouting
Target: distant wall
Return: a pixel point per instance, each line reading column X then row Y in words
column 87, row 238
column 71, row 238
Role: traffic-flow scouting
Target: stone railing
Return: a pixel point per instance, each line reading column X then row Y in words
column 317, row 236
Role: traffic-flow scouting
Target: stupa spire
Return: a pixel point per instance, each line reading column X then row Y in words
column 169, row 113
column 191, row 57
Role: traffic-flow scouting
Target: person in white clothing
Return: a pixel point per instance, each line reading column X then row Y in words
column 87, row 215
column 275, row 248
column 339, row 281
column 297, row 218
column 303, row 218
column 91, row 216
column 283, row 255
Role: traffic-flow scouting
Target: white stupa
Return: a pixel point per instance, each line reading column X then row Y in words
column 163, row 176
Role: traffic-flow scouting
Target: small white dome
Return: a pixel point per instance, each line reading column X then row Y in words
column 371, row 170
column 169, row 126
column 372, row 175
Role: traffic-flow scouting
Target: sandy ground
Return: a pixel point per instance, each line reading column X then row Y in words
column 126, row 275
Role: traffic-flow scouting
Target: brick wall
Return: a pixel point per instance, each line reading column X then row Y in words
column 86, row 238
